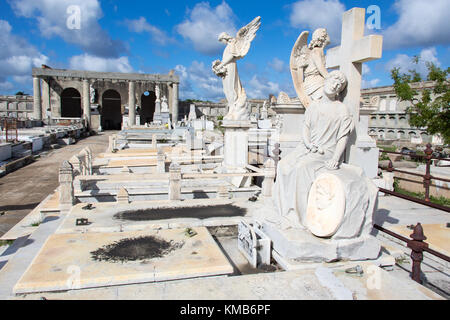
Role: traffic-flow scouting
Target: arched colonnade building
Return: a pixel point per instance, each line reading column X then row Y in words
column 101, row 99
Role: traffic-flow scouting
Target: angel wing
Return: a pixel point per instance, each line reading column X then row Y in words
column 299, row 57
column 245, row 36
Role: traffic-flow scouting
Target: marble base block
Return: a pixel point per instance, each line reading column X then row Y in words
column 301, row 245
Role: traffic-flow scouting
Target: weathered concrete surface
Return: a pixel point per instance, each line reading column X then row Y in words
column 54, row 268
column 375, row 284
column 21, row 191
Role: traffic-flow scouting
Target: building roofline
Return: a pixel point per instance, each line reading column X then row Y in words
column 40, row 72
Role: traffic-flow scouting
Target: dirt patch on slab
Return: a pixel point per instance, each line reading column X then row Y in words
column 219, row 211
column 135, row 249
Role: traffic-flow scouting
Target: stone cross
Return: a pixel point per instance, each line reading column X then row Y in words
column 355, row 49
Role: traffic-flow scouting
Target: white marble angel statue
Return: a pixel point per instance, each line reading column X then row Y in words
column 236, row 49
column 92, row 95
column 308, row 66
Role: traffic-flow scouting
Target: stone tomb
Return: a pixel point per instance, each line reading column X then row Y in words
column 107, row 259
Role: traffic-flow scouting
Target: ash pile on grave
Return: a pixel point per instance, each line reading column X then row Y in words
column 135, row 249
column 205, row 212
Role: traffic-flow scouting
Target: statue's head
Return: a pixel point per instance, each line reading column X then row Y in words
column 320, row 38
column 224, row 37
column 334, row 84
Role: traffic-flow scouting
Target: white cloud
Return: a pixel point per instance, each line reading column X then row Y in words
column 205, row 24
column 369, row 83
column 6, row 86
column 93, row 63
column 405, row 62
column 313, row 14
column 278, row 65
column 261, row 88
column 52, row 17
column 420, row 23
column 141, row 25
column 199, row 82
column 365, row 69
column 17, row 57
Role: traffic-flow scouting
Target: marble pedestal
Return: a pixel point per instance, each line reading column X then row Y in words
column 236, row 150
column 292, row 118
column 300, row 245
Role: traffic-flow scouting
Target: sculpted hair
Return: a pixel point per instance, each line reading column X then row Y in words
column 224, row 35
column 340, row 77
column 320, row 36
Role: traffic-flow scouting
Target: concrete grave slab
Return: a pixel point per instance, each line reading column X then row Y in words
column 56, row 268
column 111, row 217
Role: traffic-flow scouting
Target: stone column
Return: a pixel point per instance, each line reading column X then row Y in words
column 175, row 104
column 66, row 193
column 174, row 181
column 236, row 151
column 154, row 141
column 46, row 106
column 269, row 177
column 160, row 161
column 236, row 144
column 37, row 106
column 131, row 104
column 87, row 102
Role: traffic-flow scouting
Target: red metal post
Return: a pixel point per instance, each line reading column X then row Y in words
column 427, row 177
column 417, row 246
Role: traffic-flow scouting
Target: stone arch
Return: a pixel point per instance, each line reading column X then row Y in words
column 71, row 103
column 392, row 120
column 147, row 108
column 391, row 135
column 425, row 137
column 111, row 110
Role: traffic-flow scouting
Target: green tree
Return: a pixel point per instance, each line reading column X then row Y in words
column 431, row 109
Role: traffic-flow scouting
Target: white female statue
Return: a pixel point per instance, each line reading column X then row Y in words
column 236, row 49
column 308, row 65
column 327, row 126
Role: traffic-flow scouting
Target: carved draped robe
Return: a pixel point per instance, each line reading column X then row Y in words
column 327, row 123
column 232, row 87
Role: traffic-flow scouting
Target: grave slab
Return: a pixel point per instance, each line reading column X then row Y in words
column 113, row 217
column 56, row 268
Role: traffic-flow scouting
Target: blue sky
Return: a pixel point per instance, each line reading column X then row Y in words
column 157, row 36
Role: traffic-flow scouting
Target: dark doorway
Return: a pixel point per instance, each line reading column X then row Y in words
column 111, row 111
column 71, row 103
column 147, row 107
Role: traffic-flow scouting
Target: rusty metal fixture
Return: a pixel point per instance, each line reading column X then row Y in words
column 390, row 167
column 417, row 246
column 416, row 200
column 82, row 222
column 418, row 233
column 427, row 178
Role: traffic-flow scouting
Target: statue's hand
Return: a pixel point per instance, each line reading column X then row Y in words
column 332, row 164
column 311, row 148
